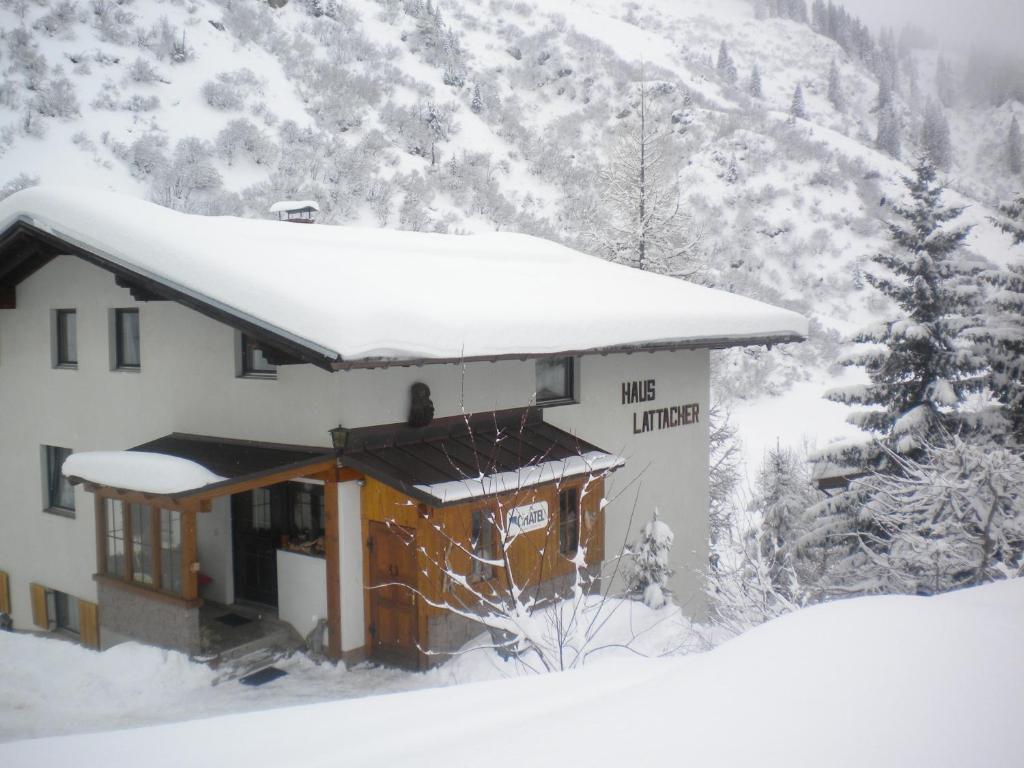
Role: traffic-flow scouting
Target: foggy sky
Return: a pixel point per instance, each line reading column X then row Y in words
column 994, row 23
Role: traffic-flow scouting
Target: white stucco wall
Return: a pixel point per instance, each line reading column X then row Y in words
column 213, row 530
column 187, row 383
column 301, row 590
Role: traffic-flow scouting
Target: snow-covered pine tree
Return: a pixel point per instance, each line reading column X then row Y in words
column 835, row 88
column 918, row 363
column 726, row 66
column 477, row 104
column 1014, row 156
column 888, row 138
column 754, row 88
column 723, row 471
column 954, row 518
column 935, row 139
column 783, row 495
column 1002, row 335
column 796, row 106
column 650, row 571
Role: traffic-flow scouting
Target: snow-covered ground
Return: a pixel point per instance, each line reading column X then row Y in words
column 880, row 681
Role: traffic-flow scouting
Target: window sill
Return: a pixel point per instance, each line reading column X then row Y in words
column 60, row 512
column 127, row 369
column 66, row 367
column 254, row 375
column 560, row 401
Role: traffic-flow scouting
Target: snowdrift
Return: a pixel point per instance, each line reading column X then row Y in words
column 885, row 681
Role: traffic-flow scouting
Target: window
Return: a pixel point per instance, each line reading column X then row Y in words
column 482, row 545
column 254, row 362
column 568, row 521
column 140, row 535
column 262, row 513
column 115, row 561
column 66, row 326
column 60, row 494
column 127, row 351
column 142, row 544
column 555, row 383
column 63, row 608
column 306, row 502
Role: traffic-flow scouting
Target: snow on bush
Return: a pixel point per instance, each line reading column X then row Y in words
column 649, row 570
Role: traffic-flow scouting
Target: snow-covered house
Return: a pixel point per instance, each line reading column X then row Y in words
column 202, row 412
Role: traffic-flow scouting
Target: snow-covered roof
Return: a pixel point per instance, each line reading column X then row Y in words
column 282, row 206
column 593, row 462
column 351, row 295
column 138, row 471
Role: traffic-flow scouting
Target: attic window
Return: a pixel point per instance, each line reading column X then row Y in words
column 254, row 362
column 556, row 381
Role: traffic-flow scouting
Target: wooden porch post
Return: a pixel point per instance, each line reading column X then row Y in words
column 332, row 551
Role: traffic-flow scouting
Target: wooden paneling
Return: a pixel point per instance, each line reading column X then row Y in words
column 89, row 624
column 5, row 593
column 39, row 615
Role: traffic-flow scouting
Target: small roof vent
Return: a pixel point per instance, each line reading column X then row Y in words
column 298, row 211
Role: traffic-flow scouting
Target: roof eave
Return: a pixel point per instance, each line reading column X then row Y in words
column 721, row 342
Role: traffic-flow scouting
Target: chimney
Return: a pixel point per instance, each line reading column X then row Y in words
column 297, row 211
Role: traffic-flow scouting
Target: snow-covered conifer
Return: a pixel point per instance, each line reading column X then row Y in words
column 650, row 571
column 835, row 88
column 477, row 104
column 888, row 137
column 1014, row 156
column 935, row 139
column 755, row 89
column 796, row 106
column 918, row 365
column 726, row 66
column 953, row 518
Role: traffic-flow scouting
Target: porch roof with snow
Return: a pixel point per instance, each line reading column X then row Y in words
column 347, row 297
column 470, row 457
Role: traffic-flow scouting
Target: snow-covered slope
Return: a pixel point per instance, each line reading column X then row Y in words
column 879, row 681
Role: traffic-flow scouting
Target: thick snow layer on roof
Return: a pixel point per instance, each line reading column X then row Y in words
column 376, row 293
column 293, row 205
column 505, row 482
column 139, row 471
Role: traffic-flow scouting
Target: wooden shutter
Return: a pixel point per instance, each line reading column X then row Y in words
column 89, row 624
column 5, row 593
column 39, row 615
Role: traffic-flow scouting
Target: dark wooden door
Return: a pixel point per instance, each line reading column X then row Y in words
column 256, row 527
column 393, row 625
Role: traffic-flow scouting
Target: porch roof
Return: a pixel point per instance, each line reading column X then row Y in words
column 232, row 465
column 473, row 456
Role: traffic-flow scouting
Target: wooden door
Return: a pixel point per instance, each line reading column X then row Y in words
column 392, row 558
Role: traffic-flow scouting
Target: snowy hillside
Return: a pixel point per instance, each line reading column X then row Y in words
column 880, row 681
column 469, row 116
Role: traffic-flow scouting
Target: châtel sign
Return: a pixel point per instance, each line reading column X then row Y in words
column 528, row 518
column 653, row 419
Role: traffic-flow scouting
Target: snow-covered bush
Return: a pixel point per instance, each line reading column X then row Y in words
column 649, row 568
column 56, row 98
column 221, row 95
column 112, row 21
column 146, row 154
column 141, row 71
column 18, row 183
column 243, row 136
column 57, row 22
